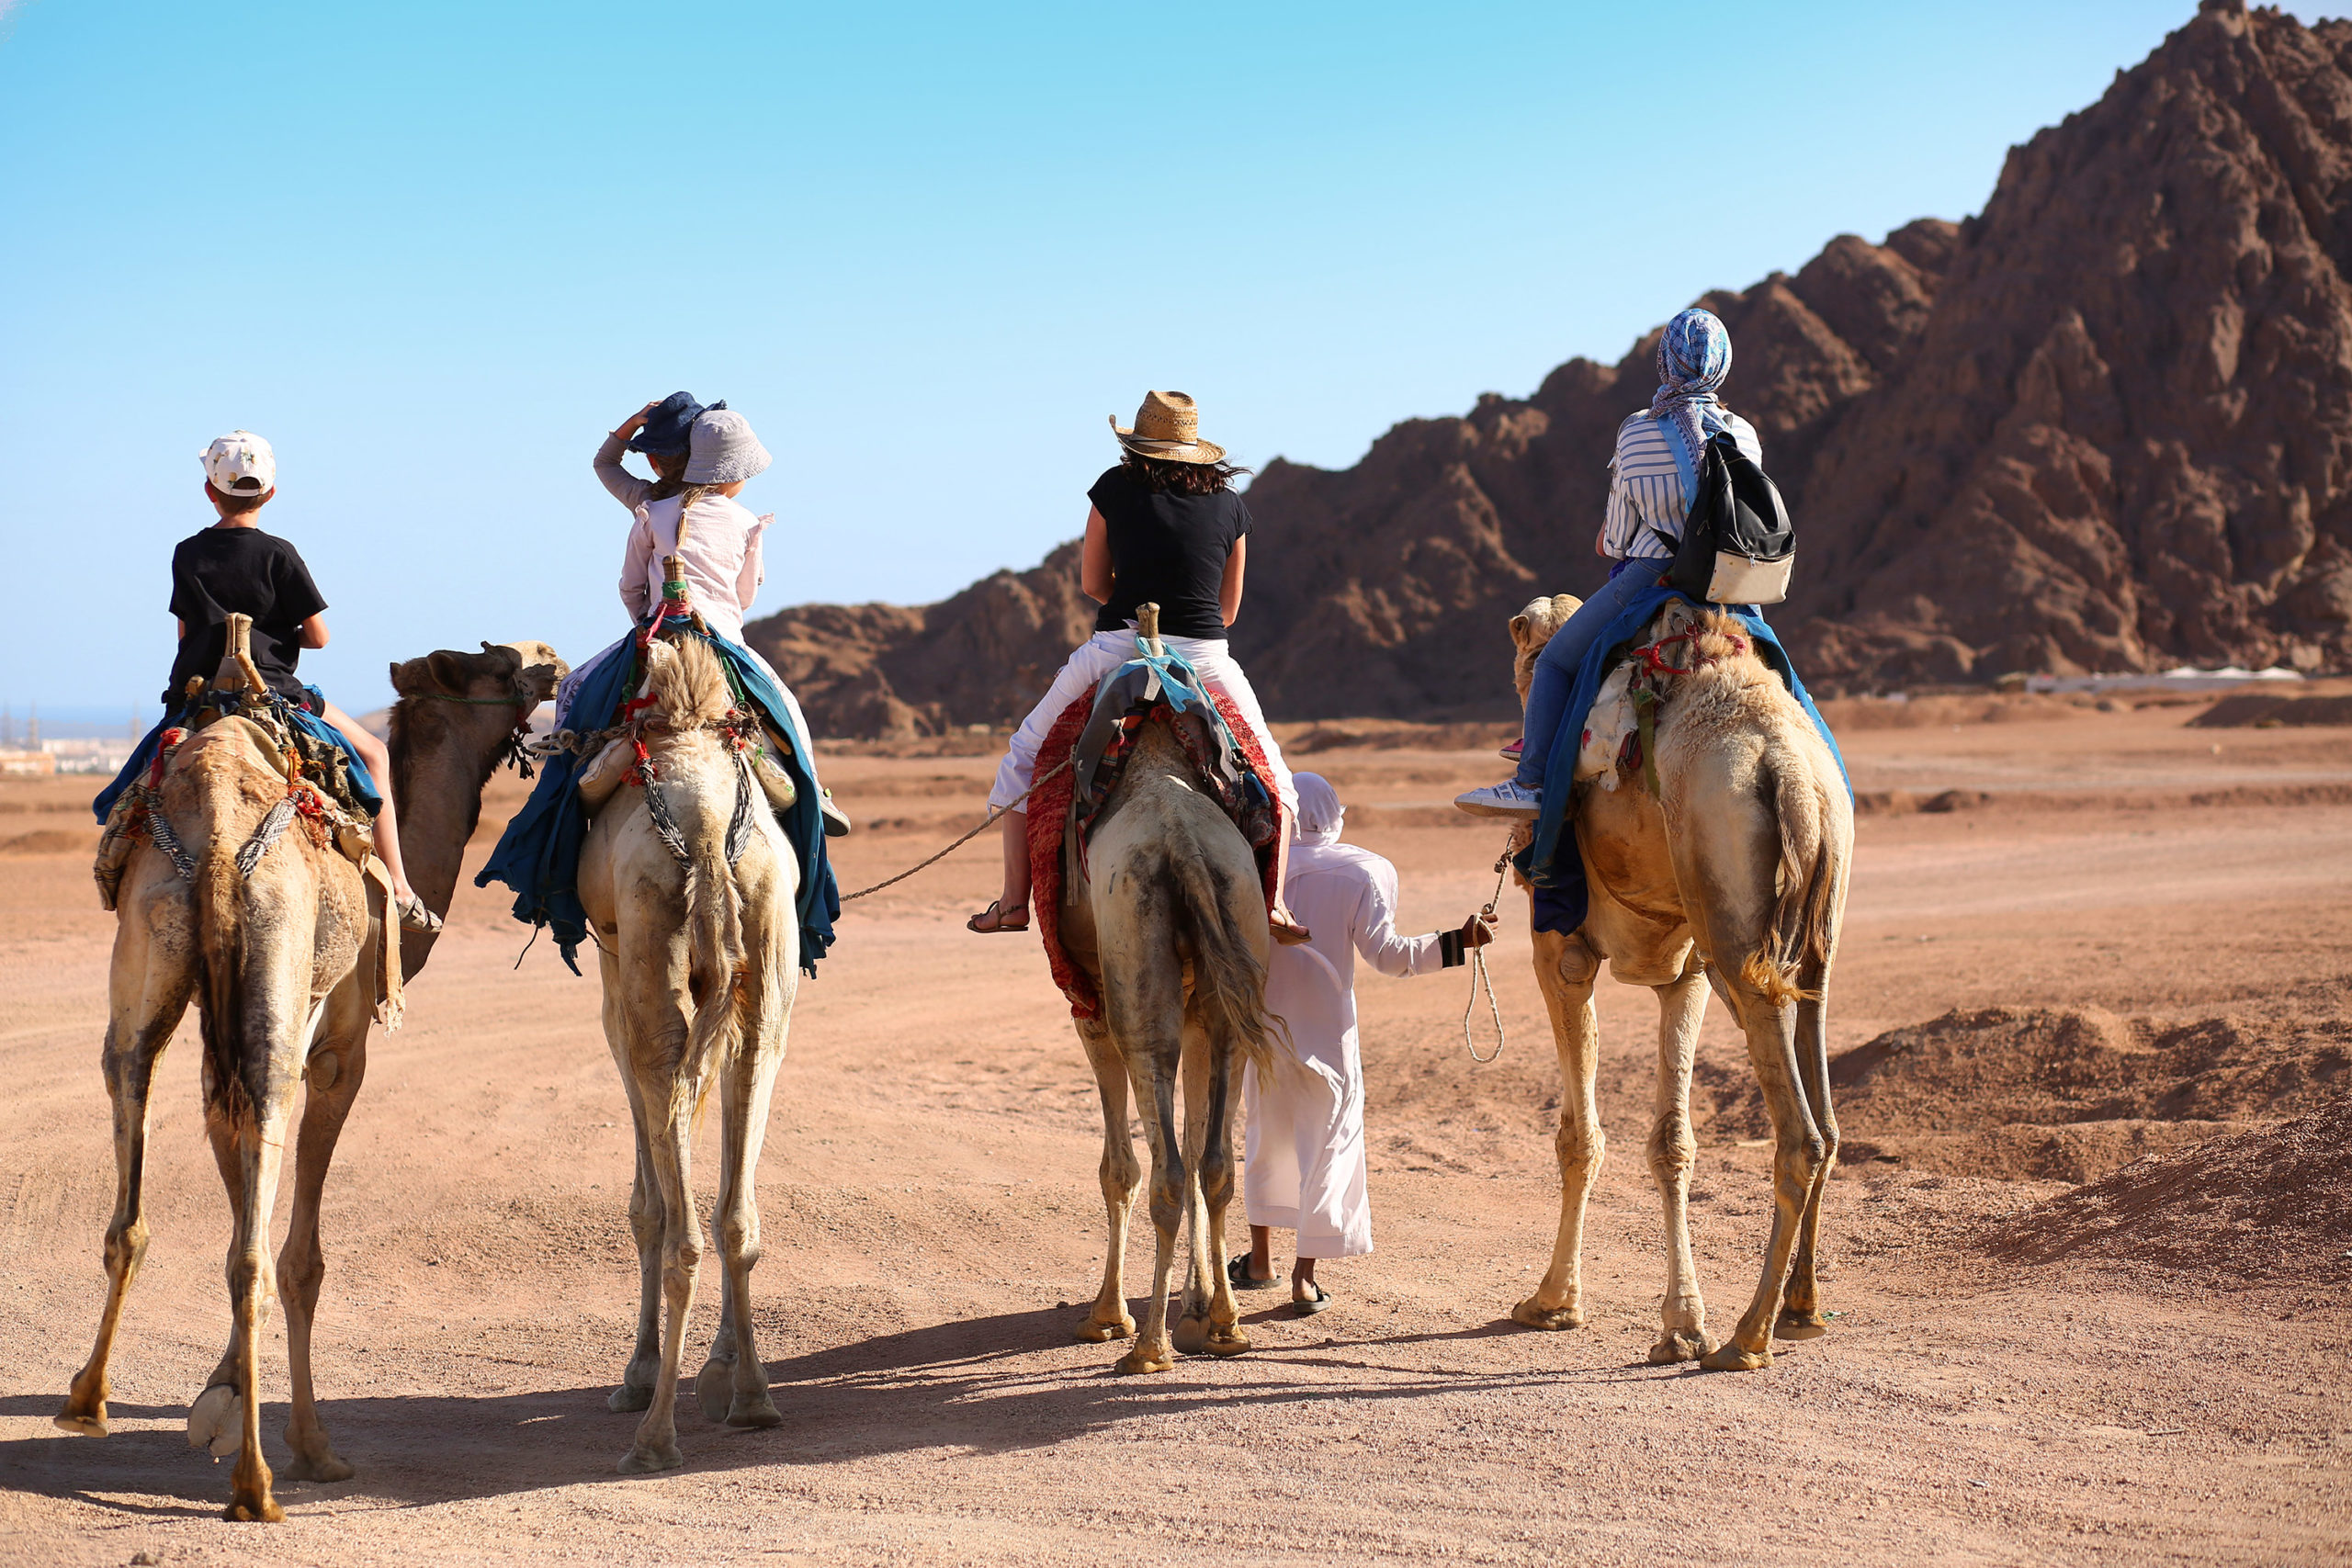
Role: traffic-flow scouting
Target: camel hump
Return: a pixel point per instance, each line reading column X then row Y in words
column 687, row 682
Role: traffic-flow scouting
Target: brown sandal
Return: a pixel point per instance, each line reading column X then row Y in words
column 996, row 908
column 1287, row 932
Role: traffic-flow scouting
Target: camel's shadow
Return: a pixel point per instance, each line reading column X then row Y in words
column 973, row 1386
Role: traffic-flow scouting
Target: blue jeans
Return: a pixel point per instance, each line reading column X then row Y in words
column 1562, row 657
column 363, row 784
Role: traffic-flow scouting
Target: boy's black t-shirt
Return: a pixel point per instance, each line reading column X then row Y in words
column 1167, row 549
column 225, row 571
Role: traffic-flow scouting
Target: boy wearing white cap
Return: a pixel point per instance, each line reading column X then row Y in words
column 232, row 568
column 1305, row 1169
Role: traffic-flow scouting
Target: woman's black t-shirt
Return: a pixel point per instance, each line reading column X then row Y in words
column 225, row 571
column 1168, row 550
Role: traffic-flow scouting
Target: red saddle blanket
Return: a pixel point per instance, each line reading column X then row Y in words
column 1048, row 810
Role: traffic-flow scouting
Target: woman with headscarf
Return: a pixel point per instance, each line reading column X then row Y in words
column 1304, row 1168
column 1652, row 478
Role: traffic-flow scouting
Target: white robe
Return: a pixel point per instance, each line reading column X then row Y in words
column 1305, row 1166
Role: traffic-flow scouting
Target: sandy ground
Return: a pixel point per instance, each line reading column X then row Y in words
column 930, row 1212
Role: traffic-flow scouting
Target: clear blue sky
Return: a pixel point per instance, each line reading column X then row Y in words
column 433, row 251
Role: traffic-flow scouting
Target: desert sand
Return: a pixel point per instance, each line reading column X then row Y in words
column 2116, row 937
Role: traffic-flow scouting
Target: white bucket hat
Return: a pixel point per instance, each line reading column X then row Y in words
column 721, row 449
column 240, row 464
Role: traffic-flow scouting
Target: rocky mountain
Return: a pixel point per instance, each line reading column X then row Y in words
column 2105, row 425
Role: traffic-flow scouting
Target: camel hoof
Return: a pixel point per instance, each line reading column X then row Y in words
column 1729, row 1358
column 1799, row 1325
column 1534, row 1316
column 85, row 1425
column 629, row 1397
column 326, row 1467
column 262, row 1510
column 1191, row 1335
column 647, row 1458
column 1677, row 1345
column 1094, row 1331
column 216, row 1421
column 715, row 1389
column 761, row 1412
column 1227, row 1342
column 1138, row 1361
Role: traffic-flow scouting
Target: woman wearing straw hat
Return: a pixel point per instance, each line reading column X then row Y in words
column 1166, row 527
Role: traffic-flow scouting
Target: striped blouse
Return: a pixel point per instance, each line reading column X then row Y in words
column 1646, row 484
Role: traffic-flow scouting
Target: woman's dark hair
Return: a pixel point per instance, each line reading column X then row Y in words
column 1184, row 478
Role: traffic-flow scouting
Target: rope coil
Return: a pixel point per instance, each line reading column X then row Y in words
column 1480, row 976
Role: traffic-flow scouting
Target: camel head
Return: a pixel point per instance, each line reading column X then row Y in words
column 1532, row 628
column 500, row 670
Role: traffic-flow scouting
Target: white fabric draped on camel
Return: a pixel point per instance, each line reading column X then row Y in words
column 1306, row 1168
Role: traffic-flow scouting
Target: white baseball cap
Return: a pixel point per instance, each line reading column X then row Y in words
column 240, row 462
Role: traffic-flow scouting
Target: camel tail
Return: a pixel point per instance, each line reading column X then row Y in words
column 716, row 963
column 221, row 948
column 1805, row 917
column 1228, row 977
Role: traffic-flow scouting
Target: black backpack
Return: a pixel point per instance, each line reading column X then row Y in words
column 1737, row 543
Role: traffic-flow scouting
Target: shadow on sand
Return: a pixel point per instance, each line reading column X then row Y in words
column 969, row 1385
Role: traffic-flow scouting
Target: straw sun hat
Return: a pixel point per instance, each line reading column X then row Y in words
column 1167, row 426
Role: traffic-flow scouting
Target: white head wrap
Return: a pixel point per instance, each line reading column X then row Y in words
column 1319, row 811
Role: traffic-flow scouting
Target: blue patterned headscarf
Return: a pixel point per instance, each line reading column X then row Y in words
column 1694, row 357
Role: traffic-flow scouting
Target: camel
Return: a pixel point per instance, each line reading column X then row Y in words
column 281, row 961
column 689, row 884
column 1733, row 877
column 1166, row 913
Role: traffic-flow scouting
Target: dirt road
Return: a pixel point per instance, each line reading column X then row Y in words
column 931, row 1211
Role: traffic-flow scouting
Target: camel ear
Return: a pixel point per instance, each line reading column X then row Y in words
column 450, row 671
column 1519, row 630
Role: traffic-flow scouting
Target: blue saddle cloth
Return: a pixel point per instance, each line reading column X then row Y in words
column 538, row 855
column 1552, row 862
column 363, row 783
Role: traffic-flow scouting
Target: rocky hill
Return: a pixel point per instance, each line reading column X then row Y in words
column 2105, row 425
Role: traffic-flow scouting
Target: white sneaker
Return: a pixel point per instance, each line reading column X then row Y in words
column 1504, row 799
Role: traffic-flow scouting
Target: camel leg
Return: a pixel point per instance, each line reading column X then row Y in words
column 336, row 1068
column 1565, row 968
column 671, row 1107
column 1683, row 1319
column 1799, row 1159
column 1192, row 1327
column 1801, row 1315
column 1215, row 1186
column 136, row 1037
column 258, row 1135
column 636, row 1388
column 1121, row 1175
column 743, row 1118
column 1152, row 1071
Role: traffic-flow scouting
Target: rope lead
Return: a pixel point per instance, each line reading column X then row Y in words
column 1480, row 976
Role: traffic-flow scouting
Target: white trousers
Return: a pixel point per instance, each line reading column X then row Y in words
column 1304, row 1168
column 1097, row 657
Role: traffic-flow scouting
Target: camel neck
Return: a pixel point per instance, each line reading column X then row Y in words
column 440, row 763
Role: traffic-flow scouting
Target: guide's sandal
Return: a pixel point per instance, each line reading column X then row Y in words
column 415, row 916
column 998, row 919
column 1308, row 1308
column 836, row 819
column 1238, row 1271
column 1290, row 934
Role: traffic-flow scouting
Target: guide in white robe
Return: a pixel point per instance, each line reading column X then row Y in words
column 1306, row 1168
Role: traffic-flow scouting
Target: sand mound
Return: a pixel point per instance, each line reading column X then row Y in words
column 2253, row 1205
column 52, row 841
column 2071, row 1094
